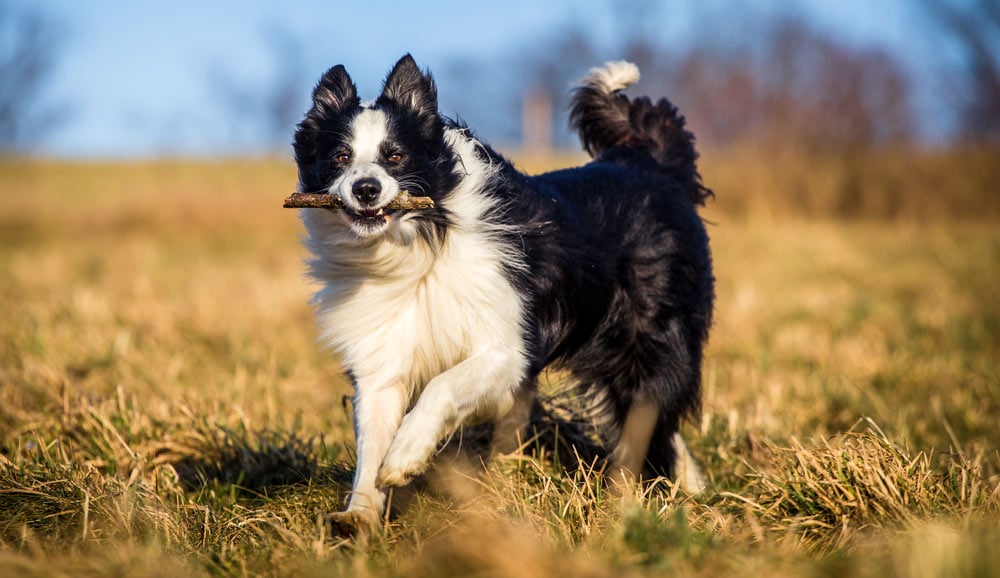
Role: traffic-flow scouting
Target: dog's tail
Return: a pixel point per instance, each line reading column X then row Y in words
column 606, row 119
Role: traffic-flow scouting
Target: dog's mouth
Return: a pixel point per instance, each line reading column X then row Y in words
column 370, row 218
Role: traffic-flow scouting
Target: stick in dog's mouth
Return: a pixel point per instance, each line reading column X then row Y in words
column 327, row 201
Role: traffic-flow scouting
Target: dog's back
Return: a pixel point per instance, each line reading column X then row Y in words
column 623, row 286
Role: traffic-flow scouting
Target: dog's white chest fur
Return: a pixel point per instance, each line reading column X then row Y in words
column 423, row 314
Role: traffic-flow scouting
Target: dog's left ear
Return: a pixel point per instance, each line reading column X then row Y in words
column 410, row 88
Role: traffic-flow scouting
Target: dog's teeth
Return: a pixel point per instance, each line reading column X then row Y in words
column 380, row 212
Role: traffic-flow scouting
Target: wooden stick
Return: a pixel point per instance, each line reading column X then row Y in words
column 327, row 201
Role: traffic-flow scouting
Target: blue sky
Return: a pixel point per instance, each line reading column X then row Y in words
column 139, row 78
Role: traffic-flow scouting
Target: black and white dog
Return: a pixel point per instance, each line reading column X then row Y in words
column 447, row 316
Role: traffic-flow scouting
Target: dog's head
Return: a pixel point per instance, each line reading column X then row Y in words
column 367, row 153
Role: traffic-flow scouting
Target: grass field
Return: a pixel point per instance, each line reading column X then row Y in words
column 165, row 409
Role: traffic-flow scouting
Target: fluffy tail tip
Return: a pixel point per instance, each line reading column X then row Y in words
column 612, row 77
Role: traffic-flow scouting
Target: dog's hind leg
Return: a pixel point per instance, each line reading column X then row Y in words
column 668, row 455
column 686, row 472
column 510, row 430
column 629, row 455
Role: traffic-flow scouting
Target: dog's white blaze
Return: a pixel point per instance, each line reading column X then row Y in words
column 368, row 130
column 444, row 324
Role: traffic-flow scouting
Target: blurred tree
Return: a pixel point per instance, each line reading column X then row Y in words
column 781, row 82
column 29, row 51
column 263, row 114
column 794, row 85
column 973, row 27
column 565, row 57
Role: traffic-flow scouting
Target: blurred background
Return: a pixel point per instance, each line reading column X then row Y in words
column 113, row 79
column 825, row 88
column 155, row 316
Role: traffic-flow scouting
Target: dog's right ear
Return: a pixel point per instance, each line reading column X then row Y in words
column 335, row 91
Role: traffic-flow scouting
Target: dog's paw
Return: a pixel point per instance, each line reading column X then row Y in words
column 400, row 474
column 404, row 462
column 352, row 523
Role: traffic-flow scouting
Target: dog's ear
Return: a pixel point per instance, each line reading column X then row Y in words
column 335, row 91
column 409, row 88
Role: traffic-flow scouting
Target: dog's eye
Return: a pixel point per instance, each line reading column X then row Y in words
column 394, row 158
column 343, row 158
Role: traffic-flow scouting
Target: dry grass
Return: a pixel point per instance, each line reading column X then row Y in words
column 164, row 409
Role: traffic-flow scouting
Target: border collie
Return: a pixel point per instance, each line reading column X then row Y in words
column 445, row 317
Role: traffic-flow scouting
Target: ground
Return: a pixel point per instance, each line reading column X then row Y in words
column 165, row 408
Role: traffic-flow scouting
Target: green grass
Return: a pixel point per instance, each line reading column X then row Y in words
column 165, row 409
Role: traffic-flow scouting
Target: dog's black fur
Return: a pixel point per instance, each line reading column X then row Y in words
column 611, row 260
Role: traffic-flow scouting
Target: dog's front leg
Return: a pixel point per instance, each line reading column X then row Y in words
column 482, row 384
column 378, row 412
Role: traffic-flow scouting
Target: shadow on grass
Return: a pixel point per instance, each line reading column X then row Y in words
column 247, row 460
column 254, row 461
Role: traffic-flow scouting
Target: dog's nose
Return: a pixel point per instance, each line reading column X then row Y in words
column 366, row 191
